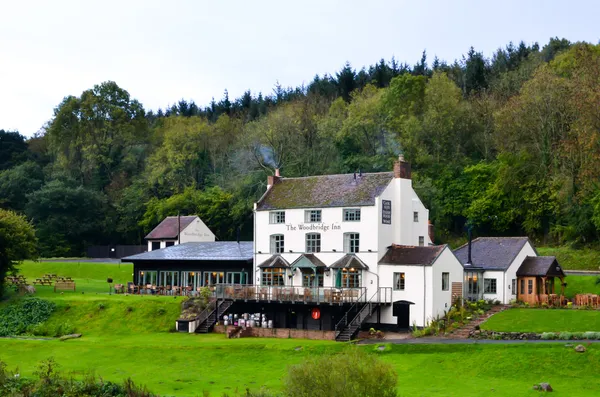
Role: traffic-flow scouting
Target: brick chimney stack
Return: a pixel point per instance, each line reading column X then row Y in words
column 273, row 179
column 402, row 168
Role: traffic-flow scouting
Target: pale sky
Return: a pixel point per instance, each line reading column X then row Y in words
column 163, row 51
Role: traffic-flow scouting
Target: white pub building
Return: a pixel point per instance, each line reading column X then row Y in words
column 337, row 252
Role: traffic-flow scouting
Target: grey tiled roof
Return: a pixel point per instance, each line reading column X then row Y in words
column 168, row 227
column 325, row 191
column 199, row 251
column 349, row 261
column 492, row 253
column 412, row 255
column 275, row 261
column 540, row 266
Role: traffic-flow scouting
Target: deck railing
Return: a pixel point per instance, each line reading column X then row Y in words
column 296, row 294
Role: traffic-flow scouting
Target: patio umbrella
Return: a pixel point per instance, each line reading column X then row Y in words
column 338, row 279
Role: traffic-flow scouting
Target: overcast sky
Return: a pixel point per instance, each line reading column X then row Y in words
column 162, row 51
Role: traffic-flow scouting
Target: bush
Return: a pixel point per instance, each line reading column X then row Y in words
column 17, row 317
column 565, row 336
column 549, row 336
column 353, row 373
column 51, row 383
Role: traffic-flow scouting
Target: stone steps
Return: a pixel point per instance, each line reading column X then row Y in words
column 465, row 331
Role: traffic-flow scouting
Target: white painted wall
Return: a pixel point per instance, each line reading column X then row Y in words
column 511, row 272
column 414, row 291
column 197, row 231
column 445, row 263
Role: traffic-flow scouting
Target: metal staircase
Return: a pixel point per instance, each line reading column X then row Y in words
column 345, row 329
column 212, row 316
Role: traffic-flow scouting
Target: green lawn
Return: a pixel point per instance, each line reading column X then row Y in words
column 544, row 320
column 574, row 259
column 129, row 336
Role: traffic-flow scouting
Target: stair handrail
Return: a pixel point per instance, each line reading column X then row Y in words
column 204, row 314
column 367, row 304
column 345, row 316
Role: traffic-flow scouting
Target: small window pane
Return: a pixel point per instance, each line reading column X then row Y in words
column 421, row 241
column 514, row 287
column 489, row 286
column 312, row 216
column 277, row 217
column 351, row 242
column 313, row 242
column 277, row 244
column 445, row 281
column 273, row 276
column 415, row 216
column 352, row 215
column 399, row 281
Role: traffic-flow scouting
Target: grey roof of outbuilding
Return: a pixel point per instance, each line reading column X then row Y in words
column 325, row 191
column 168, row 227
column 199, row 251
column 349, row 261
column 540, row 266
column 412, row 255
column 491, row 253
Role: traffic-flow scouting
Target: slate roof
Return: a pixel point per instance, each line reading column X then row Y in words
column 316, row 262
column 412, row 255
column 325, row 191
column 540, row 266
column 275, row 261
column 168, row 227
column 199, row 251
column 349, row 261
column 491, row 253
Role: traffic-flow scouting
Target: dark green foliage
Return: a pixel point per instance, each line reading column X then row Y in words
column 17, row 243
column 16, row 318
column 13, row 149
column 353, row 373
column 50, row 382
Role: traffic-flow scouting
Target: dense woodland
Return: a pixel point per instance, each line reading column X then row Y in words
column 509, row 145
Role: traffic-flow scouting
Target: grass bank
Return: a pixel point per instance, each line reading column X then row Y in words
column 544, row 320
column 574, row 259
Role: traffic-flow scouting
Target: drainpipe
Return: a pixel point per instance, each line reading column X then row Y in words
column 424, row 296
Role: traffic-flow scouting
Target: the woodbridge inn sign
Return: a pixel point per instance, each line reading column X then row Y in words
column 321, row 227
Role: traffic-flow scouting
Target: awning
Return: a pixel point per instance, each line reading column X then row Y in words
column 275, row 261
column 349, row 261
column 308, row 261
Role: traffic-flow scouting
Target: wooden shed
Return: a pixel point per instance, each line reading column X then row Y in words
column 536, row 280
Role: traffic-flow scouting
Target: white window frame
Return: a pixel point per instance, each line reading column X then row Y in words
column 445, row 281
column 312, row 242
column 421, row 241
column 351, row 242
column 147, row 277
column 231, row 277
column 351, row 214
column 276, row 217
column 277, row 244
column 487, row 286
column 312, row 216
column 164, row 275
column 213, row 278
column 399, row 281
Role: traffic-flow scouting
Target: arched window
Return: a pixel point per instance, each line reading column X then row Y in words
column 313, row 242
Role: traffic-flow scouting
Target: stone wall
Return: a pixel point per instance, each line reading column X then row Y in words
column 280, row 333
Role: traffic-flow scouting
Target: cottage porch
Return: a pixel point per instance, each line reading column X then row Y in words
column 537, row 278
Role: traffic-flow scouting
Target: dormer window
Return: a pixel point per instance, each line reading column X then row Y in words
column 277, row 217
column 351, row 214
column 312, row 216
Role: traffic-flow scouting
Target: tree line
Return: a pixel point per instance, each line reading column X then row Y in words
column 507, row 144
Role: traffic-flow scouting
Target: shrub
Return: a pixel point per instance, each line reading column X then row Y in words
column 17, row 317
column 591, row 335
column 548, row 336
column 353, row 373
column 101, row 306
column 565, row 336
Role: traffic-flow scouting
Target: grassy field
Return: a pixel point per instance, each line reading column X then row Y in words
column 130, row 336
column 574, row 259
column 544, row 320
column 580, row 284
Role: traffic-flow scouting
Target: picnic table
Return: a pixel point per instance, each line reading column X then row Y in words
column 43, row 281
